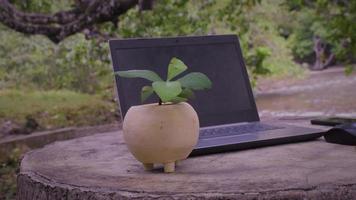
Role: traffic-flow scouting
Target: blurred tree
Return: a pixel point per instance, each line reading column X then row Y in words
column 78, row 64
column 38, row 17
column 326, row 30
column 83, row 15
column 168, row 18
column 36, row 63
column 200, row 17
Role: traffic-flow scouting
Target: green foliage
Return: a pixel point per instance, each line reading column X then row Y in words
column 257, row 59
column 168, row 18
column 35, row 62
column 170, row 91
column 81, row 65
column 309, row 25
column 349, row 69
column 84, row 66
column 332, row 21
column 301, row 39
column 232, row 14
column 255, row 22
column 265, row 21
column 42, row 6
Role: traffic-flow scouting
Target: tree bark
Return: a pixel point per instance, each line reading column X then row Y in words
column 60, row 25
column 100, row 167
column 321, row 62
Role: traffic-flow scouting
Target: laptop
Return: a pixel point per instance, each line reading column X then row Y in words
column 227, row 113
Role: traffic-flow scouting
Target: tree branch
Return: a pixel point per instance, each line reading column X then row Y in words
column 329, row 60
column 60, row 25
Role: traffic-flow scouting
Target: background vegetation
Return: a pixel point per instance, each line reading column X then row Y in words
column 63, row 84
column 44, row 85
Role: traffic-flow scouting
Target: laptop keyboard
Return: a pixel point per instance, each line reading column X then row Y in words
column 236, row 130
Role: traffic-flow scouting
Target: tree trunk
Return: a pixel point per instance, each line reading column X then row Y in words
column 99, row 167
column 321, row 62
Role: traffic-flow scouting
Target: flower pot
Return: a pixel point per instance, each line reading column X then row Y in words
column 161, row 133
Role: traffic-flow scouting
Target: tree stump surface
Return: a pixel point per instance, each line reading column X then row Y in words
column 100, row 167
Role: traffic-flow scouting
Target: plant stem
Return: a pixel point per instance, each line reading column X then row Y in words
column 160, row 101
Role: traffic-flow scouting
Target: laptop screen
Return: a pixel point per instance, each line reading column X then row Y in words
column 219, row 57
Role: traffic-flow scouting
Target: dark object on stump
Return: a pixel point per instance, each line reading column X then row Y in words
column 332, row 121
column 342, row 134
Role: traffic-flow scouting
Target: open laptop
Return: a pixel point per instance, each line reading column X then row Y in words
column 227, row 113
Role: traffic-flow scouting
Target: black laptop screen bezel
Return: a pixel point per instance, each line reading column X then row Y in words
column 249, row 114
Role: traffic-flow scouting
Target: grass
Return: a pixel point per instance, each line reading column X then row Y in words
column 9, row 166
column 55, row 109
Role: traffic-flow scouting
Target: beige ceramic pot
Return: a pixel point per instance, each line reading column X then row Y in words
column 161, row 133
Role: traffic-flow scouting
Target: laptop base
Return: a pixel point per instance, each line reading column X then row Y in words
column 290, row 134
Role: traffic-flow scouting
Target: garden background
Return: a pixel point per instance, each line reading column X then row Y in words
column 48, row 84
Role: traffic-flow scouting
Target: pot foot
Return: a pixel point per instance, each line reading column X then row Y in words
column 169, row 167
column 148, row 166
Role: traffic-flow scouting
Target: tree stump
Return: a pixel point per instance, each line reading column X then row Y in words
column 100, row 167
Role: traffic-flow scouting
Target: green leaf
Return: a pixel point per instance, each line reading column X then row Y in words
column 167, row 90
column 146, row 74
column 146, row 92
column 175, row 68
column 187, row 93
column 195, row 81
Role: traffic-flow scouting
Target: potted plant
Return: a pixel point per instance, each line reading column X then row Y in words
column 167, row 131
